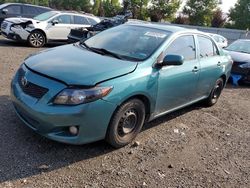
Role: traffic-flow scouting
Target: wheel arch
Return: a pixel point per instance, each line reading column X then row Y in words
column 40, row 30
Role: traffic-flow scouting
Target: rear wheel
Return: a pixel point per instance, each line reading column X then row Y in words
column 215, row 93
column 36, row 39
column 126, row 123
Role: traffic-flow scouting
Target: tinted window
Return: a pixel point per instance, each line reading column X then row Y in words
column 80, row 20
column 184, row 46
column 92, row 21
column 207, row 47
column 63, row 19
column 14, row 9
column 30, row 10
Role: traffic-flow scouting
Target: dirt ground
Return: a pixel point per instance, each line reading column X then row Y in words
column 193, row 147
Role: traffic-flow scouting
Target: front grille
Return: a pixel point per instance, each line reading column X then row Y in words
column 4, row 25
column 29, row 88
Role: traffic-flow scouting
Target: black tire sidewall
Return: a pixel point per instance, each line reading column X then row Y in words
column 211, row 101
column 113, row 136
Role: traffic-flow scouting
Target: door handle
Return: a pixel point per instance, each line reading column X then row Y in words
column 195, row 69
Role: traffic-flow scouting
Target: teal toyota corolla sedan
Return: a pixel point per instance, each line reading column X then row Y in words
column 109, row 85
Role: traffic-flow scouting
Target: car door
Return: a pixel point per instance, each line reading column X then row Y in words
column 59, row 27
column 211, row 65
column 177, row 84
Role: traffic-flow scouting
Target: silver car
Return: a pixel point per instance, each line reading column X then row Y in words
column 46, row 27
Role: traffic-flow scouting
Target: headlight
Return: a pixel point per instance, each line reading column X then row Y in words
column 31, row 26
column 79, row 96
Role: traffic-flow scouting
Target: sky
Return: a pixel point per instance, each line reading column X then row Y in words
column 227, row 4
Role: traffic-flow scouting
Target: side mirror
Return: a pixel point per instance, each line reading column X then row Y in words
column 172, row 60
column 5, row 11
column 54, row 22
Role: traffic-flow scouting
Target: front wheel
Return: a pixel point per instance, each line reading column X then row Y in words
column 126, row 123
column 215, row 93
column 36, row 39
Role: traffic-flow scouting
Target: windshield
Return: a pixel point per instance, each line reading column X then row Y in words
column 45, row 16
column 240, row 46
column 129, row 41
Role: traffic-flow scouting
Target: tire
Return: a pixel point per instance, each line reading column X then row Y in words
column 36, row 39
column 126, row 123
column 215, row 93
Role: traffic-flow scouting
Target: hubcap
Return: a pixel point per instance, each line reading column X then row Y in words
column 127, row 123
column 36, row 39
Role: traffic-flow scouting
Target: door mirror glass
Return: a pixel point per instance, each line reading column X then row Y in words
column 173, row 60
column 54, row 22
column 5, row 11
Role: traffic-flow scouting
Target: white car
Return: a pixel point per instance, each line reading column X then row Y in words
column 46, row 27
column 220, row 40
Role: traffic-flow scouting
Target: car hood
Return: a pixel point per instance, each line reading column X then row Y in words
column 239, row 56
column 19, row 20
column 75, row 65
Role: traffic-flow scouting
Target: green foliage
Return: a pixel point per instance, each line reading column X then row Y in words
column 240, row 15
column 218, row 19
column 163, row 9
column 200, row 12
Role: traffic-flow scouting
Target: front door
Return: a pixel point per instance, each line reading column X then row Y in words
column 177, row 84
column 61, row 29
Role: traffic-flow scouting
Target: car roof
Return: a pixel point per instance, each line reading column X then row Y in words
column 167, row 27
column 76, row 13
column 7, row 4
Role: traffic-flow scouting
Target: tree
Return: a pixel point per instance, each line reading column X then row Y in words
column 200, row 12
column 182, row 20
column 218, row 19
column 163, row 9
column 240, row 14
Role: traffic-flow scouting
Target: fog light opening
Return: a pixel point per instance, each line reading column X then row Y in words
column 73, row 130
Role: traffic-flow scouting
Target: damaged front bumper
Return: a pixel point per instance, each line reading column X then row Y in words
column 14, row 31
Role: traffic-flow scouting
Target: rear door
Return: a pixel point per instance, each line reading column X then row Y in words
column 60, row 30
column 211, row 65
column 177, row 84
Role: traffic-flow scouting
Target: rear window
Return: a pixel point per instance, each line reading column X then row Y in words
column 207, row 47
column 92, row 21
column 81, row 20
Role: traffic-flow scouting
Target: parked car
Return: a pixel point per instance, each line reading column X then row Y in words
column 221, row 41
column 240, row 53
column 8, row 10
column 78, row 34
column 44, row 28
column 109, row 85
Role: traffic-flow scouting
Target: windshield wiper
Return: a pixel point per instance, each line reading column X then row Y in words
column 107, row 52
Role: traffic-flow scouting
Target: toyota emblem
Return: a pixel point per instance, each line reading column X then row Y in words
column 24, row 81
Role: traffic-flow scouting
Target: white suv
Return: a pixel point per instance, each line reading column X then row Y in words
column 46, row 27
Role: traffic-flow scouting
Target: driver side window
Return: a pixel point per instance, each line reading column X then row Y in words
column 184, row 46
column 63, row 19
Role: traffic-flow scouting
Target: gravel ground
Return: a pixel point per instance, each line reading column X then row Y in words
column 193, row 147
